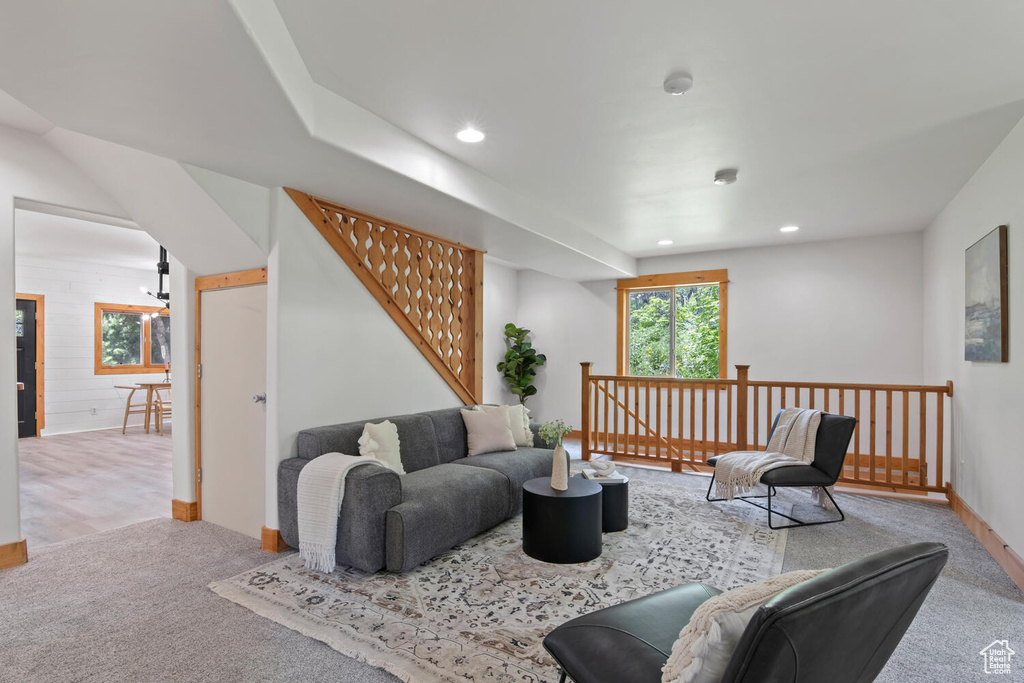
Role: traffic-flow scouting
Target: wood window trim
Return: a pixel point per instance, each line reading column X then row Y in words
column 146, row 368
column 718, row 277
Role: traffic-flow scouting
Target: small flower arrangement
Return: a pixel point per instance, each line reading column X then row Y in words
column 552, row 432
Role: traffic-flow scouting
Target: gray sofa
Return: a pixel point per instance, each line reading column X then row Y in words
column 400, row 521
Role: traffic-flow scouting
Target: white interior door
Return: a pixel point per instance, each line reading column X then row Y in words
column 233, row 328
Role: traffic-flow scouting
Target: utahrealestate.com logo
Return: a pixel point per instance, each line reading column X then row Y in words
column 997, row 657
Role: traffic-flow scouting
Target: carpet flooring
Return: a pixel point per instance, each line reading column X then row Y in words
column 132, row 604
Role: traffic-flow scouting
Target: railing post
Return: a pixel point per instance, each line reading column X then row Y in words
column 585, row 412
column 741, row 407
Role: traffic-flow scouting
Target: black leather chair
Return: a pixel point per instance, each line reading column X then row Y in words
column 839, row 627
column 833, row 438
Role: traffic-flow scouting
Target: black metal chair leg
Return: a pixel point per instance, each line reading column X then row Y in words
column 562, row 679
column 772, row 493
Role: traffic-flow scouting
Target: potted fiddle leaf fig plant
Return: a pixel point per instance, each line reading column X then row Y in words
column 521, row 362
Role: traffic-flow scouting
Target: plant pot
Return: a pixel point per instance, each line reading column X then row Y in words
column 560, row 469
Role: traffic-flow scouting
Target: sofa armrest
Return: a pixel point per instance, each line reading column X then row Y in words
column 369, row 492
column 539, row 442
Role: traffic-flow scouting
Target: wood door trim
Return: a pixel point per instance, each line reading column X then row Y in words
column 241, row 278
column 40, row 300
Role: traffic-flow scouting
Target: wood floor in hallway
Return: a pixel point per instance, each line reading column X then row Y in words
column 78, row 484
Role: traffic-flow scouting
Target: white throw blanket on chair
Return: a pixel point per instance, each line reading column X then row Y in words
column 321, row 490
column 792, row 443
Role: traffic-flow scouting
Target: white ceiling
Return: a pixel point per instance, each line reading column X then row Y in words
column 843, row 117
column 16, row 115
column 45, row 236
column 846, row 118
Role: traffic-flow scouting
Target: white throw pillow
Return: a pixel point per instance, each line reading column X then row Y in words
column 380, row 441
column 518, row 421
column 487, row 431
column 705, row 645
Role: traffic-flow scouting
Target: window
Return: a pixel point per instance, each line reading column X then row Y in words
column 673, row 325
column 132, row 339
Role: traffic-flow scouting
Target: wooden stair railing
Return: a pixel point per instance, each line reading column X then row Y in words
column 431, row 287
column 899, row 444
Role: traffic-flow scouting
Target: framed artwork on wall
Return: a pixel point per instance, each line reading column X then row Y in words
column 986, row 308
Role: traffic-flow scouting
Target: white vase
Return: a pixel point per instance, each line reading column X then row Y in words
column 559, row 469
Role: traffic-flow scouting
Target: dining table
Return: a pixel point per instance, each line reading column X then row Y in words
column 151, row 388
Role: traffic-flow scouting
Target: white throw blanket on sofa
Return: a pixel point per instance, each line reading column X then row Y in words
column 791, row 444
column 321, row 490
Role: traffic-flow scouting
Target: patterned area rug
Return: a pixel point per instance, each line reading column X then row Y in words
column 480, row 611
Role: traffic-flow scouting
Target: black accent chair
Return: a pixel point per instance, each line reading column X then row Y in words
column 840, row 627
column 833, row 438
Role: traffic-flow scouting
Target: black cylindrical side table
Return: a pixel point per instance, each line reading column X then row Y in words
column 562, row 527
column 614, row 502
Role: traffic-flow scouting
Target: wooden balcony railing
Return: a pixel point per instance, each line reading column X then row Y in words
column 898, row 444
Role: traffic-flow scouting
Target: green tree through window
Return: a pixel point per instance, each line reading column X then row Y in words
column 131, row 339
column 674, row 332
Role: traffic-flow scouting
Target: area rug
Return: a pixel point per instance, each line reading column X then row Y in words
column 480, row 611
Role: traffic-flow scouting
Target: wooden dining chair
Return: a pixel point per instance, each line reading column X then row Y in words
column 129, row 407
column 161, row 407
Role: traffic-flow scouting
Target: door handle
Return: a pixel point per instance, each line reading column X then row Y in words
column 259, row 398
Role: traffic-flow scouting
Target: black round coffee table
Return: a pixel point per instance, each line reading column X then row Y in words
column 614, row 502
column 562, row 527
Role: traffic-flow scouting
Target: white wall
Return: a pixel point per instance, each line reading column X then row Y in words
column 71, row 387
column 843, row 311
column 571, row 322
column 183, row 359
column 988, row 433
column 333, row 354
column 29, row 169
column 501, row 306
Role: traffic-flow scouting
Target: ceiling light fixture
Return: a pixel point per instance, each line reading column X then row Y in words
column 789, row 228
column 678, row 83
column 470, row 134
column 726, row 176
column 664, row 243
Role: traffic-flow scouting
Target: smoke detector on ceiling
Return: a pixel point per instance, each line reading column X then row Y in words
column 678, row 83
column 726, row 176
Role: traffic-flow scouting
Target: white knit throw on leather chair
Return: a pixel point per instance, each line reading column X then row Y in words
column 792, row 443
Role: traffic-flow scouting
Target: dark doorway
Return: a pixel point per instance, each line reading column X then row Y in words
column 25, row 331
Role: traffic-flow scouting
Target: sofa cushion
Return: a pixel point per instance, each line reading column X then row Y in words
column 441, row 507
column 518, row 421
column 450, row 433
column 415, row 432
column 518, row 466
column 380, row 441
column 487, row 432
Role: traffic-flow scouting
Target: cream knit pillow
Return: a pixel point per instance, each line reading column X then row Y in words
column 518, row 422
column 705, row 645
column 380, row 441
column 487, row 432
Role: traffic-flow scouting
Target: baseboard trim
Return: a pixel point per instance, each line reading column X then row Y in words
column 13, row 554
column 271, row 541
column 1002, row 553
column 184, row 512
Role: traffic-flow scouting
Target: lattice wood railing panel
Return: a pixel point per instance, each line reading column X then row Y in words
column 431, row 287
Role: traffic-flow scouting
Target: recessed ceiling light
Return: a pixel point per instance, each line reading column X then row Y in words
column 678, row 83
column 726, row 176
column 789, row 228
column 664, row 243
column 470, row 134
